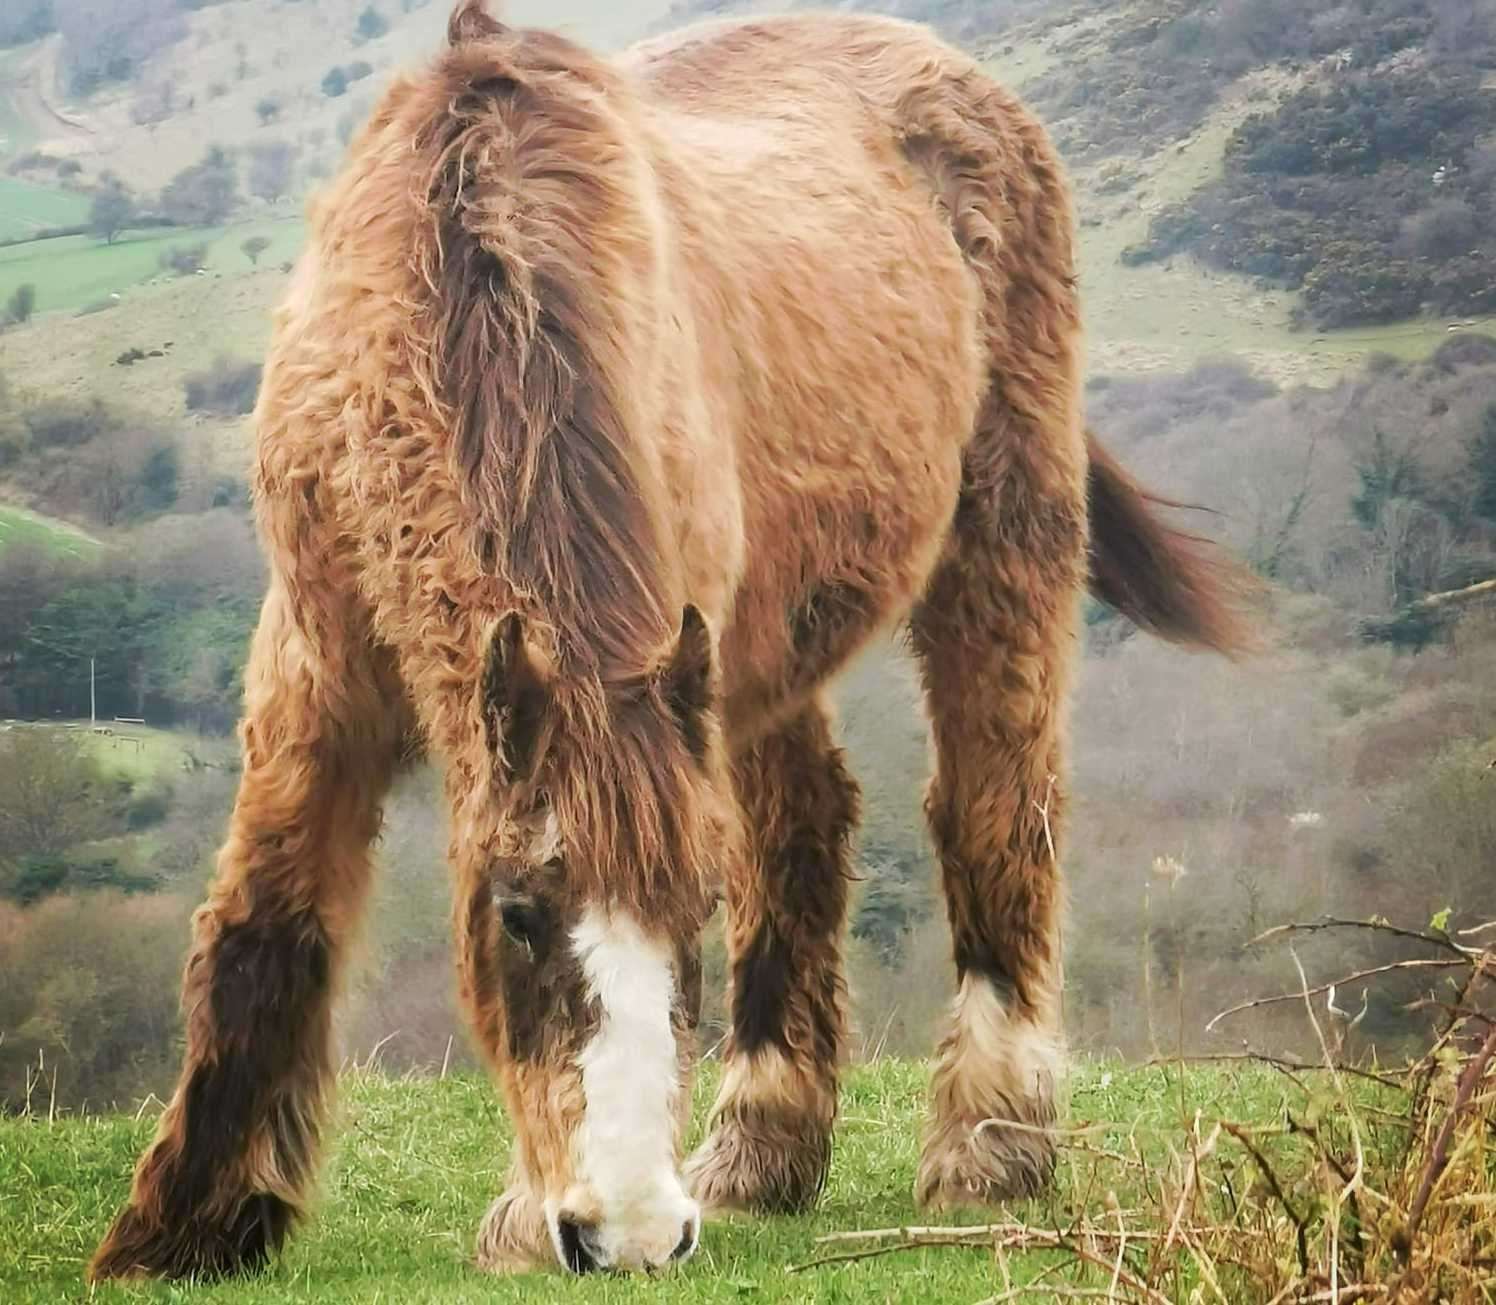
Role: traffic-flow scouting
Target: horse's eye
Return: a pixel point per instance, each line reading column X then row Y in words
column 518, row 919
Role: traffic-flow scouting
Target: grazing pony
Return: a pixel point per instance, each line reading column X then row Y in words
column 613, row 407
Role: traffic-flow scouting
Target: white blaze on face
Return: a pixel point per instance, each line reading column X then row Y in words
column 631, row 1080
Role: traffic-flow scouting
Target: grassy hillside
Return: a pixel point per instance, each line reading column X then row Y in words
column 81, row 272
column 20, row 527
column 26, row 208
column 416, row 1161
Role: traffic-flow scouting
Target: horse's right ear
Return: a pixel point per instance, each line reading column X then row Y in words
column 471, row 21
column 514, row 694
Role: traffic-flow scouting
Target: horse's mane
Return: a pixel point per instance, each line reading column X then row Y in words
column 522, row 170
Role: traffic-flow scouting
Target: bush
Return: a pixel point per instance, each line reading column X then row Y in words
column 39, row 877
column 228, row 388
column 204, row 194
column 184, row 260
column 90, row 999
column 371, row 25
column 53, row 798
column 21, row 304
column 68, row 423
column 335, row 83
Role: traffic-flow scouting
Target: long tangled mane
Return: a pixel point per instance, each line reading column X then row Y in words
column 523, row 188
column 532, row 231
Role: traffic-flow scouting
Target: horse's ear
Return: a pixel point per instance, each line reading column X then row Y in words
column 688, row 681
column 515, row 693
column 471, row 21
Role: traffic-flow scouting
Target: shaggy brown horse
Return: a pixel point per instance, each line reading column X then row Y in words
column 614, row 407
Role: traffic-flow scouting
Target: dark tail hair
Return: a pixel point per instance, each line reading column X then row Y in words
column 1177, row 586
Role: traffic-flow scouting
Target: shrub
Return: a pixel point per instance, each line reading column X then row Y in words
column 184, row 260
column 335, row 83
column 53, row 798
column 204, row 194
column 39, row 877
column 228, row 388
column 21, row 304
column 90, row 999
column 67, row 423
column 267, row 110
column 371, row 24
column 147, row 806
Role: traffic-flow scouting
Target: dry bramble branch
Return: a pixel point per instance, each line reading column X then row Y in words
column 1382, row 1193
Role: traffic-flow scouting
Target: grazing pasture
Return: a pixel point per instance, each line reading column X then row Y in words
column 18, row 527
column 415, row 1162
column 78, row 272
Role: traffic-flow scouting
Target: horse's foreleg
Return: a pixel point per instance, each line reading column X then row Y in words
column 235, row 1149
column 770, row 1142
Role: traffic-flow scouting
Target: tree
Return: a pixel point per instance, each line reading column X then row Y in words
column 109, row 40
column 271, row 168
column 21, row 304
column 335, row 83
column 1483, row 465
column 254, row 247
column 53, row 795
column 204, row 194
column 372, row 24
column 25, row 20
column 155, row 106
column 268, row 110
column 113, row 208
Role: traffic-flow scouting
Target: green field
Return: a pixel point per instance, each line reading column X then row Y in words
column 79, row 271
column 415, row 1162
column 25, row 208
column 142, row 752
column 18, row 526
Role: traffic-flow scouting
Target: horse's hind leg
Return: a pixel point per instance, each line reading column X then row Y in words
column 234, row 1151
column 995, row 635
column 770, row 1142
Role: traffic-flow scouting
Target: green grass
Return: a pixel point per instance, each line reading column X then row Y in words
column 142, row 752
column 80, row 271
column 414, row 1163
column 18, row 526
column 26, row 208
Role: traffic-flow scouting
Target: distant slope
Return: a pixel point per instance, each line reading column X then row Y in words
column 19, row 528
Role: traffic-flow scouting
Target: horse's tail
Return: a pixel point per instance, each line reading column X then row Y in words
column 1174, row 585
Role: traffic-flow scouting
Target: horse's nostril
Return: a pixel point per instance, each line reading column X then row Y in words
column 687, row 1242
column 574, row 1237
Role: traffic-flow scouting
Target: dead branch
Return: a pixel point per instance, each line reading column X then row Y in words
column 1284, row 1062
column 1416, row 964
column 1472, row 1074
column 1375, row 925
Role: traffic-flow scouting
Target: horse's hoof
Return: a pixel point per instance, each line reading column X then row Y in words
column 513, row 1237
column 967, row 1164
column 760, row 1164
column 195, row 1247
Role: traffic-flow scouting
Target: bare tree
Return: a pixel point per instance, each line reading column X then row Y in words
column 272, row 166
column 113, row 208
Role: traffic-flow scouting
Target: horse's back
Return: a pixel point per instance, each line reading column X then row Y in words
column 839, row 324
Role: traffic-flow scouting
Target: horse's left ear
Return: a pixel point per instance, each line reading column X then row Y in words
column 514, row 694
column 688, row 682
